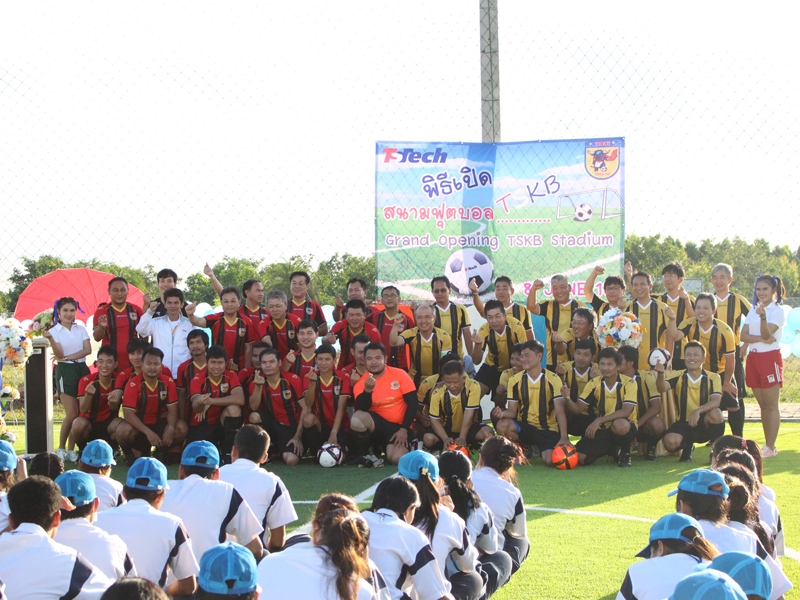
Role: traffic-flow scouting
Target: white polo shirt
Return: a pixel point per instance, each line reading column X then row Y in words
column 168, row 336
column 34, row 567
column 263, row 491
column 157, row 541
column 303, row 571
column 482, row 531
column 211, row 510
column 5, row 510
column 656, row 578
column 775, row 316
column 70, row 340
column 451, row 541
column 109, row 491
column 404, row 557
column 108, row 553
column 770, row 518
column 504, row 500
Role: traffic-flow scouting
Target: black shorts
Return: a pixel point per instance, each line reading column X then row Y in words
column 488, row 375
column 342, row 438
column 100, row 430
column 728, row 402
column 544, row 439
column 205, row 431
column 141, row 442
column 577, row 424
column 699, row 434
column 471, row 434
column 604, row 443
column 384, row 430
column 279, row 434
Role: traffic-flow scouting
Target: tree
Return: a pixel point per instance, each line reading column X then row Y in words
column 275, row 276
column 332, row 276
column 230, row 272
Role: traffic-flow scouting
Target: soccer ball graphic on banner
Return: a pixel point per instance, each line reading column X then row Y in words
column 330, row 455
column 466, row 264
column 583, row 212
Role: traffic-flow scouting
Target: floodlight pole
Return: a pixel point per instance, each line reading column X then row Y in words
column 490, row 72
column 39, row 398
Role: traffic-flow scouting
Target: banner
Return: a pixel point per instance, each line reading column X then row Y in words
column 526, row 210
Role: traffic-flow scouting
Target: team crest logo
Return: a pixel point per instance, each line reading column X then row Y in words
column 395, row 385
column 287, row 394
column 602, row 159
column 291, row 335
column 224, row 387
column 401, row 327
column 132, row 315
column 309, row 310
column 162, row 394
column 337, row 389
column 242, row 331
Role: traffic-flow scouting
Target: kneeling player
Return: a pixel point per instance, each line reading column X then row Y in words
column 453, row 410
column 612, row 397
column 216, row 399
column 535, row 414
column 698, row 393
column 386, row 404
column 650, row 425
column 99, row 415
column 326, row 395
column 576, row 374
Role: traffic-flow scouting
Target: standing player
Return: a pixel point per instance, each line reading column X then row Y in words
column 197, row 341
column 99, row 417
column 302, row 306
column 356, row 290
column 275, row 404
column 557, row 312
column 279, row 330
column 228, row 329
column 678, row 299
column 386, row 404
column 253, row 294
column 302, row 361
column 115, row 323
column 614, row 288
column 613, row 399
column 426, row 343
column 652, row 314
column 166, row 279
column 731, row 308
column 452, row 318
column 354, row 324
column 575, row 375
column 582, row 328
column 535, row 414
column 384, row 322
column 326, row 395
column 650, row 425
column 698, row 394
column 169, row 331
column 217, row 400
column 503, row 291
column 150, row 408
column 496, row 337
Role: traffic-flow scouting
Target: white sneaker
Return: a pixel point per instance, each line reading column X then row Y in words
column 62, row 454
column 72, row 456
column 767, row 452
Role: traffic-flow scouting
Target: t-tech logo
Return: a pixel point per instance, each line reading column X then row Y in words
column 412, row 156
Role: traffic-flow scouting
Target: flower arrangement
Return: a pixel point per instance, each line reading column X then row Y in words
column 40, row 323
column 616, row 329
column 15, row 345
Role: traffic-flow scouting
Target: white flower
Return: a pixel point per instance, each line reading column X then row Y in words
column 6, row 390
column 624, row 334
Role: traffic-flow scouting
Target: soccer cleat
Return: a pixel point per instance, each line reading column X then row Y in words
column 71, row 456
column 376, row 462
column 128, row 458
column 767, row 452
column 624, row 459
column 62, row 454
column 651, row 452
column 686, row 454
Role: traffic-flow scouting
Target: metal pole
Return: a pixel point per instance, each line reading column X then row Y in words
column 39, row 398
column 490, row 72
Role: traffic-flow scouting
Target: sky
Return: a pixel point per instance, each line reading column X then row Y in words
column 175, row 133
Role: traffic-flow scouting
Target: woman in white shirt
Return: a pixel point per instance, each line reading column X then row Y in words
column 70, row 343
column 764, row 373
column 455, row 471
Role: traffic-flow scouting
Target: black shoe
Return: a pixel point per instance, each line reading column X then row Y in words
column 651, row 453
column 686, row 455
column 128, row 458
column 624, row 459
column 161, row 456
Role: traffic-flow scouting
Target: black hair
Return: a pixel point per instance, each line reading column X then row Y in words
column 589, row 344
column 699, row 547
column 396, row 494
column 736, row 457
column 326, row 349
column 739, row 443
column 776, row 283
column 251, row 442
column 629, row 353
column 427, row 516
column 204, row 472
column 261, row 345
column 135, row 588
column 269, row 351
column 34, row 500
column 503, row 279
column 247, row 285
column 455, row 470
column 708, row 297
column 515, row 349
column 153, row 351
column 361, row 338
column 167, row 273
column 375, row 346
column 359, row 281
column 61, row 302
column 500, row 453
column 302, row 274
column 198, row 333
column 307, row 324
column 453, row 367
column 441, row 278
column 174, row 293
column 493, row 305
column 708, row 507
column 586, row 314
column 229, row 290
column 114, row 280
column 644, row 274
column 611, row 353
column 355, row 304
column 80, row 512
column 47, row 464
column 217, row 352
column 674, row 267
column 390, row 287
column 108, row 350
column 345, row 535
column 694, row 344
column 533, row 346
column 614, row 280
column 141, row 345
column 132, row 493
column 84, row 468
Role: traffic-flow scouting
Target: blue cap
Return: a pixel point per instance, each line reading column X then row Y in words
column 8, row 458
column 708, row 585
column 411, row 464
column 98, row 453
column 748, row 570
column 670, row 527
column 701, row 481
column 200, row 454
column 78, row 487
column 228, row 569
column 147, row 474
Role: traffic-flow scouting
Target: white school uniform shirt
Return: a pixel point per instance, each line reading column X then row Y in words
column 109, row 491
column 5, row 510
column 210, row 510
column 482, row 531
column 656, row 578
column 34, row 567
column 303, row 571
column 168, row 336
column 108, row 553
column 70, row 340
column 157, row 541
column 263, row 491
column 451, row 544
column 404, row 557
column 769, row 493
column 775, row 316
column 734, row 536
column 770, row 518
column 504, row 499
